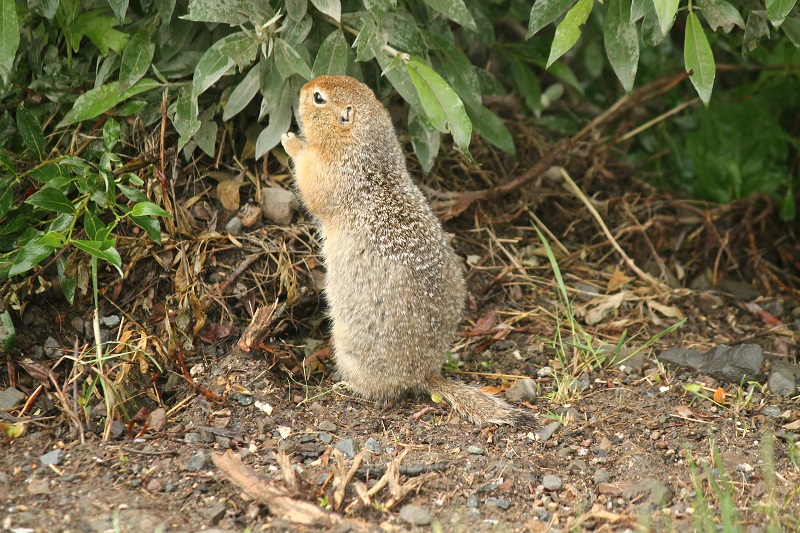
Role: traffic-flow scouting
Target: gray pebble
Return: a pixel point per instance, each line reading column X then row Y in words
column 349, row 447
column 601, row 475
column 53, row 457
column 327, row 425
column 242, row 399
column 234, row 226
column 50, row 346
column 216, row 512
column 373, row 445
column 551, row 482
column 771, row 411
column 782, row 382
column 502, row 503
column 544, row 372
column 10, row 398
column 475, row 450
column 317, row 409
column 523, row 390
column 196, row 462
column 472, row 501
column 415, row 515
column 325, row 438
column 110, row 321
column 546, row 432
column 117, row 428
column 192, row 438
column 578, row 465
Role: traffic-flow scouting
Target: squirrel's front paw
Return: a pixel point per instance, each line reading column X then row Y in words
column 291, row 143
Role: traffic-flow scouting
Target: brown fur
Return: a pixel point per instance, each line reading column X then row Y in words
column 394, row 284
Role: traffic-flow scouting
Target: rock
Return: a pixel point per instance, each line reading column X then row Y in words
column 733, row 364
column 216, row 512
column 551, row 482
column 655, row 492
column 325, row 438
column 373, row 446
column 110, row 321
column 586, row 292
column 10, row 398
column 725, row 363
column 53, row 457
column 475, row 450
column 523, row 390
column 50, row 346
column 415, row 515
column 196, row 462
column 154, row 485
column 546, row 432
column 544, row 372
column 472, row 501
column 243, row 399
column 234, row 226
column 77, row 324
column 278, row 205
column 327, row 425
column 502, row 503
column 117, row 428
column 601, row 475
column 741, row 290
column 38, row 487
column 349, row 447
column 316, row 409
column 784, row 379
column 157, row 419
column 771, row 411
column 578, row 465
column 249, row 214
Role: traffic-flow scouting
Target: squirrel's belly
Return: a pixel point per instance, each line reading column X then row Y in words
column 390, row 332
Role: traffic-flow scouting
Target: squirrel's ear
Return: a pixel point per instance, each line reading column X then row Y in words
column 347, row 116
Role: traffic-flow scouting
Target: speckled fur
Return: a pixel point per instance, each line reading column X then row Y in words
column 394, row 284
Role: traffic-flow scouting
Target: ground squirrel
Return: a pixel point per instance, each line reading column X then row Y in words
column 394, row 285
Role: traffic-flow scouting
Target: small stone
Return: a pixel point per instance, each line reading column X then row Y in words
column 373, row 445
column 475, row 450
column 50, row 346
column 53, row 457
column 278, row 204
column 196, row 462
column 655, row 491
column 192, row 438
column 327, row 425
column 316, row 409
column 110, row 321
column 578, row 465
column 349, row 447
column 325, row 438
column 782, row 382
column 154, row 485
column 771, row 411
column 523, row 390
column 10, row 398
column 234, row 226
column 502, row 503
column 117, row 428
column 601, row 475
column 546, row 432
column 77, row 324
column 472, row 501
column 216, row 512
column 415, row 515
column 733, row 364
column 544, row 372
column 38, row 487
column 243, row 399
column 551, row 482
column 157, row 419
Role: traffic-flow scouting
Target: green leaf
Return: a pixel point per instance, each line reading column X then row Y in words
column 30, row 255
column 289, row 61
column 120, row 8
column 755, row 28
column 242, row 94
column 9, row 38
column 545, row 12
column 296, row 9
column 788, row 208
column 490, row 127
column 639, row 8
column 8, row 336
column 46, row 8
column 206, row 136
column 791, row 28
column 236, row 49
column 666, row 10
column 92, row 225
column 569, row 30
column 720, row 13
column 777, row 10
column 136, row 58
column 148, row 208
column 132, row 193
column 53, row 238
column 400, row 79
column 332, row 55
column 332, row 8
column 165, row 9
column 370, row 41
column 455, row 10
column 92, row 103
column 698, row 58
column 51, row 199
column 110, row 133
column 443, row 107
column 279, row 121
column 232, row 12
column 186, row 119
column 526, row 83
column 99, row 28
column 424, row 138
column 622, row 42
column 30, row 131
column 67, row 283
column 150, row 226
column 101, row 250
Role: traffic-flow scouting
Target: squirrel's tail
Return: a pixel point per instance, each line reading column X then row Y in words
column 476, row 405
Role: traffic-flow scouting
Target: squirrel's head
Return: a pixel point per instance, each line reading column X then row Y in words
column 335, row 109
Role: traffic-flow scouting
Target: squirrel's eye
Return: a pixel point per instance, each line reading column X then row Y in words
column 318, row 99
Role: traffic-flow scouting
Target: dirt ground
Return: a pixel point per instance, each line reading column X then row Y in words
column 614, row 447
